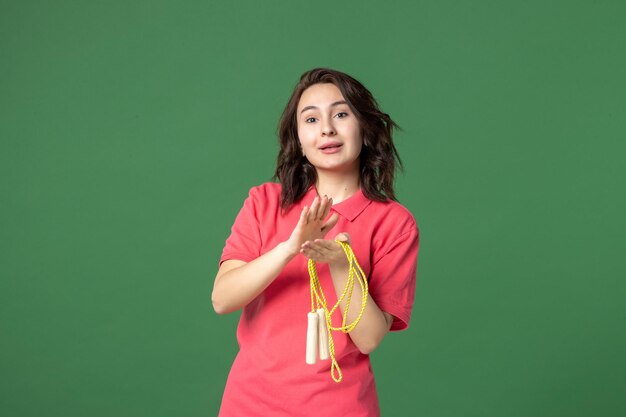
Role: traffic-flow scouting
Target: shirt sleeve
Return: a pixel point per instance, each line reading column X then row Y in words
column 244, row 242
column 393, row 278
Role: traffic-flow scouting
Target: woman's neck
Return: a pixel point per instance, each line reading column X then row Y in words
column 337, row 186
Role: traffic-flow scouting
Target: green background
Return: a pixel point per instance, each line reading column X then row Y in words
column 131, row 132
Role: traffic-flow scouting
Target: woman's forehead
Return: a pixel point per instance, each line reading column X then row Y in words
column 320, row 96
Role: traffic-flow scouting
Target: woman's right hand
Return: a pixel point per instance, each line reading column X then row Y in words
column 311, row 224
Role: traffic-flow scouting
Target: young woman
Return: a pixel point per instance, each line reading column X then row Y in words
column 335, row 169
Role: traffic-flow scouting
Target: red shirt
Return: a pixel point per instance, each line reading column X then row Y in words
column 269, row 376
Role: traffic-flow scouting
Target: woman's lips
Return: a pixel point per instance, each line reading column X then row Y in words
column 331, row 149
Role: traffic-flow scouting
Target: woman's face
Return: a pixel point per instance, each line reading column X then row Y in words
column 330, row 134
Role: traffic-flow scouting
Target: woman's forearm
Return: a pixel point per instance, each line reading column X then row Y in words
column 373, row 325
column 235, row 288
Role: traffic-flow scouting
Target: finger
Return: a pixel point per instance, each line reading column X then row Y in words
column 329, row 245
column 312, row 251
column 303, row 215
column 322, row 208
column 308, row 253
column 343, row 236
column 313, row 210
column 309, row 244
column 330, row 223
column 326, row 248
column 305, row 248
column 327, row 209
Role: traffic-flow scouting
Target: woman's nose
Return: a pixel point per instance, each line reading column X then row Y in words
column 327, row 128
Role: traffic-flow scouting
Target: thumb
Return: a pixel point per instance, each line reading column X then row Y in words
column 331, row 222
column 343, row 237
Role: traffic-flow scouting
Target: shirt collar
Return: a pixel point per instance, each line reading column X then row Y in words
column 349, row 208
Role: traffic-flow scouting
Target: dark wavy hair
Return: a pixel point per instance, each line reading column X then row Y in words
column 378, row 155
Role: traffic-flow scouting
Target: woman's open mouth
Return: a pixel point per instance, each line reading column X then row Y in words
column 331, row 147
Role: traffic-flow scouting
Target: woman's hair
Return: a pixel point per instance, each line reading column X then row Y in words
column 378, row 155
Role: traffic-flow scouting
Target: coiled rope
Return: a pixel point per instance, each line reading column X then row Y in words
column 318, row 301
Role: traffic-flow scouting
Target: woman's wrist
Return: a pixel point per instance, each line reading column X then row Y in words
column 287, row 249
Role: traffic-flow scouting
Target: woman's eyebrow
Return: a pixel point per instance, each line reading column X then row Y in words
column 336, row 103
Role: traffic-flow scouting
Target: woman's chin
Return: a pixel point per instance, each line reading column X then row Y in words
column 346, row 168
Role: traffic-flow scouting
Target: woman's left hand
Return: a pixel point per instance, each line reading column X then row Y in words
column 328, row 251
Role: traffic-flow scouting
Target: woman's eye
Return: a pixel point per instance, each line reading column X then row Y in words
column 342, row 113
column 310, row 118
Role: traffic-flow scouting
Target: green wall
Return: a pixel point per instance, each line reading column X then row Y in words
column 131, row 131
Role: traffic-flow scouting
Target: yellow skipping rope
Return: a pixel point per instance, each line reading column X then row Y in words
column 319, row 330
